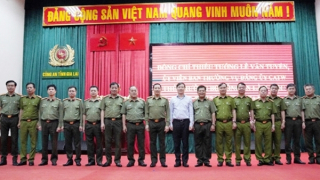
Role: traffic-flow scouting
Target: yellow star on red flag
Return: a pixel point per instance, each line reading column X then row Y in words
column 132, row 41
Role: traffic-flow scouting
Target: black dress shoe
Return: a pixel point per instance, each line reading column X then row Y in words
column 318, row 162
column 238, row 164
column 220, row 164
column 69, row 163
column 43, row 163
column 229, row 164
column 54, row 163
column 106, row 164
column 177, row 164
column 248, row 164
column 269, row 163
column 207, row 164
column 278, row 162
column 164, row 165
column 185, row 165
column 142, row 164
column 118, row 165
column 99, row 164
column 15, row 163
column 288, row 162
column 298, row 161
column 22, row 163
column 153, row 164
column 130, row 164
column 78, row 163
column 91, row 164
column 31, row 163
column 311, row 162
column 260, row 163
column 198, row 165
column 3, row 162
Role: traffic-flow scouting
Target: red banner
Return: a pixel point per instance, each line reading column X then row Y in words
column 103, row 42
column 169, row 12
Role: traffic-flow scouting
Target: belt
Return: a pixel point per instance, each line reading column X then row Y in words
column 94, row 123
column 203, row 123
column 312, row 120
column 243, row 121
column 113, row 119
column 180, row 119
column 71, row 122
column 49, row 121
column 10, row 115
column 157, row 120
column 135, row 123
column 293, row 118
column 264, row 122
column 224, row 120
column 29, row 120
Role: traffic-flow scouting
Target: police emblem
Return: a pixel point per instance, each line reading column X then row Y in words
column 61, row 55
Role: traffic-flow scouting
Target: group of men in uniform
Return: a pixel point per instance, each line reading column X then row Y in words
column 229, row 117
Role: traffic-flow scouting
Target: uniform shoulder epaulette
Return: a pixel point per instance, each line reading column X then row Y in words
column 3, row 94
column 87, row 99
column 216, row 97
column 270, row 100
column 141, row 99
column 149, row 97
column 19, row 94
column 65, row 99
column 44, row 98
column 164, row 97
column 257, row 99
column 78, row 99
column 58, row 99
column 122, row 97
column 39, row 96
column 194, row 100
column 304, row 97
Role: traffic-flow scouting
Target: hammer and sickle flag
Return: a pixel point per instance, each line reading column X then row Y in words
column 103, row 42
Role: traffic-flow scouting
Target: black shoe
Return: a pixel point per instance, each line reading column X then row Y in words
column 164, row 165
column 229, row 164
column 153, row 164
column 318, row 162
column 130, row 164
column 54, row 163
column 142, row 164
column 69, row 163
column 278, row 162
column 207, row 164
column 177, row 164
column 78, row 163
column 31, row 163
column 99, row 164
column 288, row 162
column 43, row 163
column 3, row 162
column 248, row 164
column 91, row 163
column 260, row 163
column 14, row 161
column 298, row 161
column 22, row 163
column 311, row 162
column 238, row 164
column 198, row 165
column 118, row 165
column 269, row 163
column 185, row 165
column 220, row 164
column 106, row 164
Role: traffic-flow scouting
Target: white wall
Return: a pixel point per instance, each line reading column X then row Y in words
column 11, row 42
column 317, row 4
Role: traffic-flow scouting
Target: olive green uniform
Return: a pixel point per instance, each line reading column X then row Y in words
column 311, row 107
column 28, row 125
column 262, row 113
column 72, row 117
column 92, row 129
column 243, row 106
column 157, row 117
column 9, row 121
column 293, row 126
column 113, row 125
column 203, row 110
column 277, row 134
column 51, row 111
column 135, row 114
column 225, row 106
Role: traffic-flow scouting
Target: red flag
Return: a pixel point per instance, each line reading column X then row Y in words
column 132, row 41
column 103, row 42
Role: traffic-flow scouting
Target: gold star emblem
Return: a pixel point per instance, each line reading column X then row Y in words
column 132, row 41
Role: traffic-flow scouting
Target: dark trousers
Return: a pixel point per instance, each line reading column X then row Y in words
column 113, row 129
column 132, row 131
column 312, row 131
column 6, row 124
column 72, row 133
column 292, row 131
column 49, row 129
column 93, row 131
column 202, row 140
column 156, row 129
column 181, row 133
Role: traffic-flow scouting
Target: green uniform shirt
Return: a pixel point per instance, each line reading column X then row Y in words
column 72, row 110
column 134, row 110
column 112, row 106
column 30, row 107
column 157, row 108
column 243, row 106
column 224, row 105
column 311, row 107
column 263, row 110
column 10, row 104
column 203, row 110
column 51, row 109
column 92, row 109
column 293, row 107
column 277, row 101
